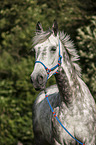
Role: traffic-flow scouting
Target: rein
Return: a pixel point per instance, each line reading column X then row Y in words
column 48, row 72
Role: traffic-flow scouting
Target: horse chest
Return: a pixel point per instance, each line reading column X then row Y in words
column 46, row 123
column 72, row 123
column 58, row 132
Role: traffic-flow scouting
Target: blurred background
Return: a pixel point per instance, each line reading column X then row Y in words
column 18, row 20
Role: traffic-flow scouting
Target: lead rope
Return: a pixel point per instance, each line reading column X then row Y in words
column 59, row 120
column 48, row 71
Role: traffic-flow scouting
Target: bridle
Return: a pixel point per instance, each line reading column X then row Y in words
column 53, row 68
column 48, row 71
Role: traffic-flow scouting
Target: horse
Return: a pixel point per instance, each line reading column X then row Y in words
column 69, row 97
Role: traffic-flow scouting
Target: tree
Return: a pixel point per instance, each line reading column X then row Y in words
column 17, row 26
column 87, row 49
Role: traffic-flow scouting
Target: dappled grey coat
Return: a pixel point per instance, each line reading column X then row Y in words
column 70, row 97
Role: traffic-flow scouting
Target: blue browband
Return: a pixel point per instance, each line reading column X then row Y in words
column 57, row 65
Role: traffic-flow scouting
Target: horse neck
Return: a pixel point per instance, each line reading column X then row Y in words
column 68, row 84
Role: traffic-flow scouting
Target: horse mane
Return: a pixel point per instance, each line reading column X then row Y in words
column 68, row 46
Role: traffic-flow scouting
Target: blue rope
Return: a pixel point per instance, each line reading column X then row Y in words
column 59, row 62
column 60, row 122
column 59, row 47
column 41, row 63
column 54, row 67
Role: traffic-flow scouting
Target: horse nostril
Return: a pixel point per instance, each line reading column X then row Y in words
column 40, row 79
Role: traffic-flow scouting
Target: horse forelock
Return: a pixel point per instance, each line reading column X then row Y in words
column 41, row 37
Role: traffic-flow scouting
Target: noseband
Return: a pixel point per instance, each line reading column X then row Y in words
column 57, row 65
column 48, row 71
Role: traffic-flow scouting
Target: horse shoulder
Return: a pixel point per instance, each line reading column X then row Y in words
column 42, row 116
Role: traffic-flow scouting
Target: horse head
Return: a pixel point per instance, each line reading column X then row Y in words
column 47, row 54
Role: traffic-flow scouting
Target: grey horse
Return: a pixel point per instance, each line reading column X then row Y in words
column 70, row 97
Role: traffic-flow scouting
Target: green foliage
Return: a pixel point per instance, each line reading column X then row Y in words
column 87, row 44
column 16, row 98
column 17, row 26
column 70, row 14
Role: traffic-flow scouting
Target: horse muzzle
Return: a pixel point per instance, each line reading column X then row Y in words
column 38, row 81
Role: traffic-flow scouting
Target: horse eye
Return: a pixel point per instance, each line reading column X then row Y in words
column 53, row 48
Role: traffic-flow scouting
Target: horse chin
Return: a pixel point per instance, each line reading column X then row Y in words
column 40, row 88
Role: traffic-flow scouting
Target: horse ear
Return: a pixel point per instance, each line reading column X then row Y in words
column 39, row 27
column 55, row 27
